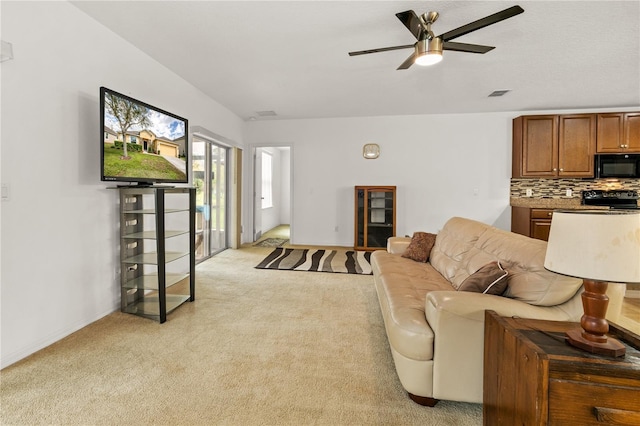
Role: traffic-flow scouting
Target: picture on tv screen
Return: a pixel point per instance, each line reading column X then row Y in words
column 141, row 143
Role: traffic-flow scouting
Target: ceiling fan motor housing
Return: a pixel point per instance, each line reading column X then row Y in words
column 429, row 47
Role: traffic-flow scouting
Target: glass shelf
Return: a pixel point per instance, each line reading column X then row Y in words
column 151, row 258
column 152, row 235
column 150, row 281
column 152, row 211
column 149, row 305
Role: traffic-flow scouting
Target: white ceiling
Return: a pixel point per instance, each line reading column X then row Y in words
column 291, row 56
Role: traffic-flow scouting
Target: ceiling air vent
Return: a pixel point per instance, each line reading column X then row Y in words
column 266, row 113
column 497, row 93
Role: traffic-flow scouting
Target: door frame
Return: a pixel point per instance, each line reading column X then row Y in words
column 254, row 178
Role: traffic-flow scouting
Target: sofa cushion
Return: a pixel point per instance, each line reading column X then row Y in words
column 463, row 246
column 528, row 280
column 454, row 241
column 420, row 246
column 490, row 279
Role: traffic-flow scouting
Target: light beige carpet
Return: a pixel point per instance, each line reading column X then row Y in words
column 255, row 348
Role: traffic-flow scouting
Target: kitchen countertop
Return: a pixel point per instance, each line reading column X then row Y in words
column 552, row 203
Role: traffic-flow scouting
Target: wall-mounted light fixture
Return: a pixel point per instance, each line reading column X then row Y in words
column 371, row 151
column 7, row 51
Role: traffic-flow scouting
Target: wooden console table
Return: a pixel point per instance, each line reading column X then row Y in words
column 532, row 377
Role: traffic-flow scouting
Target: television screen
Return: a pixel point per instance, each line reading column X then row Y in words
column 140, row 143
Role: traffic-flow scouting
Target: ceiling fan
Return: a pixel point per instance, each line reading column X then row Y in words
column 428, row 49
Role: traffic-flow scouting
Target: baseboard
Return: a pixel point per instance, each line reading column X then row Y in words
column 632, row 294
column 16, row 356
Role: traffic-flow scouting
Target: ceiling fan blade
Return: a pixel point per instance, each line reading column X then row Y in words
column 465, row 47
column 381, row 49
column 407, row 63
column 412, row 22
column 481, row 23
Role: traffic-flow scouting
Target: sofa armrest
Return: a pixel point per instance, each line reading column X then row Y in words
column 397, row 245
column 457, row 321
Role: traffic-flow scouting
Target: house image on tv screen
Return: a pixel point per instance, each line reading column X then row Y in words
column 149, row 141
column 141, row 143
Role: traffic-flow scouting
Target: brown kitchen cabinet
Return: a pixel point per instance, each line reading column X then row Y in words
column 618, row 132
column 549, row 146
column 534, row 223
column 532, row 377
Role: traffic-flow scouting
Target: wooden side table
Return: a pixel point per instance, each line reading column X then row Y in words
column 532, row 377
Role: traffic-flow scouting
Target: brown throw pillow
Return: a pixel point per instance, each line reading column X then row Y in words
column 420, row 246
column 490, row 279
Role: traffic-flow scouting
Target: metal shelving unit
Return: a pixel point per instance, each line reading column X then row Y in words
column 157, row 250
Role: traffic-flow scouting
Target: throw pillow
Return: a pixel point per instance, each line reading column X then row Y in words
column 490, row 279
column 420, row 246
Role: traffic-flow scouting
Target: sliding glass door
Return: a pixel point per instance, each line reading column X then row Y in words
column 210, row 179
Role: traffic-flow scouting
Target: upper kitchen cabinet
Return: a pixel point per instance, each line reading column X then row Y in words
column 618, row 132
column 535, row 146
column 577, row 145
column 548, row 146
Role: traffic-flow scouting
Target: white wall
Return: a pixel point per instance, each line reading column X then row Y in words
column 59, row 236
column 443, row 166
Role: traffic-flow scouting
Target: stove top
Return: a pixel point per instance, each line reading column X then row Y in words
column 613, row 198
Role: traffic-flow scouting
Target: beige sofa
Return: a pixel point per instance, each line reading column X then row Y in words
column 436, row 333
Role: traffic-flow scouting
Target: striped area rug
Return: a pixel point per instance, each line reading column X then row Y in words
column 346, row 262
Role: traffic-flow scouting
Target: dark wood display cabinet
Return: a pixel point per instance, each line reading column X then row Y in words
column 157, row 250
column 375, row 216
column 532, row 377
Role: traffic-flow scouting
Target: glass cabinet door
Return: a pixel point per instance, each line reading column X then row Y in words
column 380, row 221
column 375, row 216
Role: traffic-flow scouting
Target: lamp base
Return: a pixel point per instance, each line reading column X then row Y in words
column 610, row 347
column 593, row 335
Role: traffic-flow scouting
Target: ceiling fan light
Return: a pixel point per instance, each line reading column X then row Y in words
column 428, row 52
column 429, row 59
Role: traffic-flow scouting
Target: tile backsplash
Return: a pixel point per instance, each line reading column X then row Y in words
column 557, row 188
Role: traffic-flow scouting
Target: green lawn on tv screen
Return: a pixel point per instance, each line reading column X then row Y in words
column 140, row 165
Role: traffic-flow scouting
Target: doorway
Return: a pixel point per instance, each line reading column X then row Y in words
column 272, row 190
column 210, row 177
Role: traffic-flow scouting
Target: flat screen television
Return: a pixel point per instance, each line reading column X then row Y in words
column 141, row 144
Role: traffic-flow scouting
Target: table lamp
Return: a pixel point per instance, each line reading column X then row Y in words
column 599, row 246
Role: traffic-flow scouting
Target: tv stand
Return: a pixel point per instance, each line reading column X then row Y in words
column 145, row 185
column 157, row 249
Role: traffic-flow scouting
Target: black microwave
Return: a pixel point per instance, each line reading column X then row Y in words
column 617, row 166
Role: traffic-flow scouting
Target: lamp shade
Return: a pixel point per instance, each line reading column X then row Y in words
column 601, row 245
